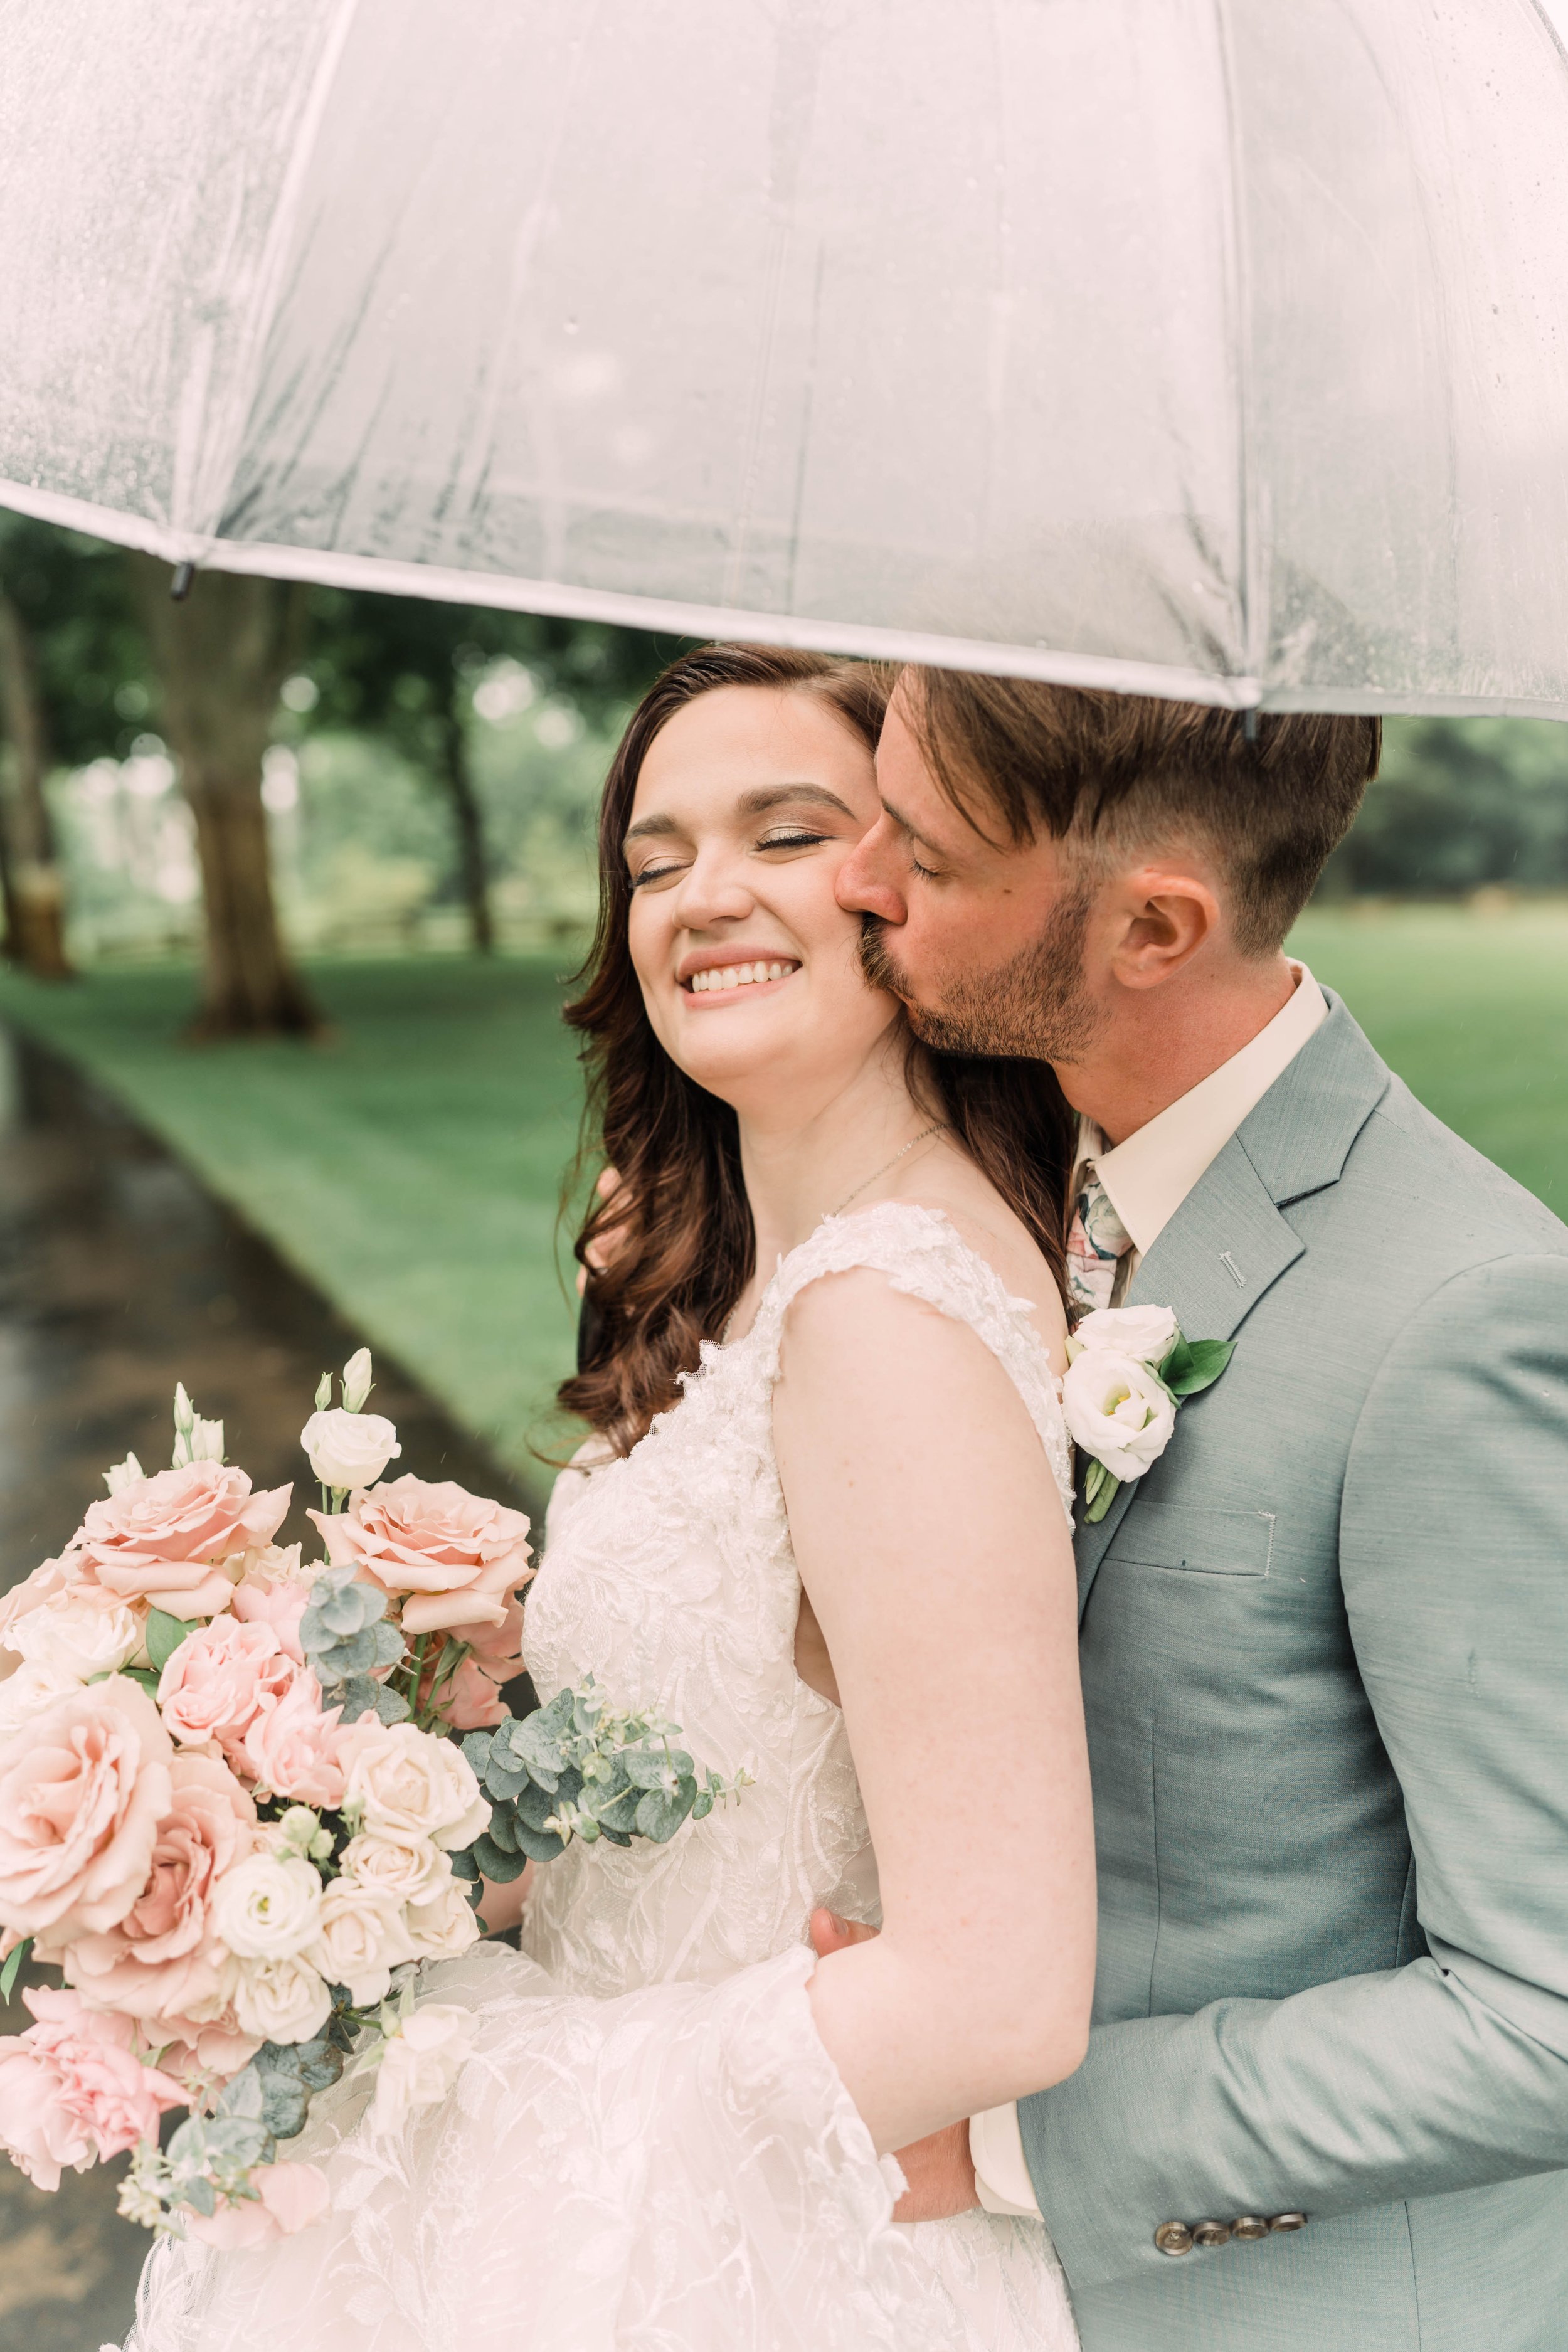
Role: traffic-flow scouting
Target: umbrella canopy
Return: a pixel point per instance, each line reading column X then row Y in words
column 1215, row 347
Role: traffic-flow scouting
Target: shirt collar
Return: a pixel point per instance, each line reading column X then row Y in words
column 1148, row 1177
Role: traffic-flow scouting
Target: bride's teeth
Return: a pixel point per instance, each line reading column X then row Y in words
column 776, row 971
column 729, row 978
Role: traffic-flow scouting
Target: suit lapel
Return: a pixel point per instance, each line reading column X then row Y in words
column 1227, row 1243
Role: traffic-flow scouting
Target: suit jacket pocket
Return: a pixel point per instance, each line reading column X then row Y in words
column 1203, row 1542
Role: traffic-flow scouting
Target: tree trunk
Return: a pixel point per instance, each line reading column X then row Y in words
column 221, row 656
column 30, row 876
column 473, row 865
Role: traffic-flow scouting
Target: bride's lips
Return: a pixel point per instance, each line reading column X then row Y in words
column 710, row 977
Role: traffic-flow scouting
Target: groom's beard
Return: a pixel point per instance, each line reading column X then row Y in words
column 1035, row 1008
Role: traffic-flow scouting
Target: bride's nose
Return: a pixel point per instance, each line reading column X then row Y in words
column 712, row 891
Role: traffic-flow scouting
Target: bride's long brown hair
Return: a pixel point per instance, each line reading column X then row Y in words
column 678, row 1230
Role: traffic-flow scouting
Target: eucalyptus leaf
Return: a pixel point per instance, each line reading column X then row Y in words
column 391, row 1706
column 286, row 2103
column 242, row 2095
column 539, row 1845
column 200, row 2194
column 495, row 1862
column 477, row 1747
column 163, row 1636
column 659, row 1815
column 463, row 1863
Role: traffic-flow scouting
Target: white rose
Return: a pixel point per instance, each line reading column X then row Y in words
column 280, row 2001
column 349, row 1449
column 70, row 1637
column 359, row 1942
column 1146, row 1332
column 29, row 1691
column 406, row 1870
column 443, row 1927
column 407, row 1784
column 1116, row 1411
column 267, row 1908
column 422, row 2062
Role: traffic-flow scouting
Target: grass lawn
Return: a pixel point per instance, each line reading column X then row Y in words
column 411, row 1168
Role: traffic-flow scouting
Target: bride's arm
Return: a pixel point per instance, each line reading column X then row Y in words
column 937, row 1557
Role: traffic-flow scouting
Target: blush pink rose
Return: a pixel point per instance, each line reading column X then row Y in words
column 457, row 1558
column 72, row 2088
column 162, row 1961
column 218, row 1677
column 279, row 1601
column 288, row 2196
column 83, row 1788
column 294, row 1748
column 55, row 1576
column 165, row 1540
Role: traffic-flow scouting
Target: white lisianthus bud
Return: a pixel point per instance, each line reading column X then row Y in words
column 421, row 2062
column 1147, row 1332
column 267, row 1908
column 357, row 1381
column 349, row 1449
column 72, row 1638
column 280, row 2000
column 1116, row 1411
column 128, row 1473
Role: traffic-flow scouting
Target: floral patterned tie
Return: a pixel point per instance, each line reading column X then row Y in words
column 1096, row 1242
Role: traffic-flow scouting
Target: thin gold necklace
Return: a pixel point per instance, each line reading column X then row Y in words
column 937, row 1127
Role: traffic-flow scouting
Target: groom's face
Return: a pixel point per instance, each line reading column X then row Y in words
column 985, row 939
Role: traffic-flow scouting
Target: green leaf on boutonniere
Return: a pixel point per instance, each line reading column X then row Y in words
column 1193, row 1365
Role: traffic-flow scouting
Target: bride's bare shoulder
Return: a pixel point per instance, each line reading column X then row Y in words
column 979, row 1216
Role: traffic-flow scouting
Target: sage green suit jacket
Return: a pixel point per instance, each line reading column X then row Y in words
column 1325, row 1661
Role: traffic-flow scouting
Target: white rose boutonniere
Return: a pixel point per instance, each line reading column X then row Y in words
column 1129, row 1372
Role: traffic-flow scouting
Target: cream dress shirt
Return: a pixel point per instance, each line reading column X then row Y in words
column 1146, row 1180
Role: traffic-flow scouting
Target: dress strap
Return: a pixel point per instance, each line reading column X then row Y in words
column 922, row 1254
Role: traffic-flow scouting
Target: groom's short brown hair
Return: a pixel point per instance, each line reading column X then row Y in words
column 1123, row 769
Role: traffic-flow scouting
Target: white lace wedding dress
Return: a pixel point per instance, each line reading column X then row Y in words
column 651, row 2150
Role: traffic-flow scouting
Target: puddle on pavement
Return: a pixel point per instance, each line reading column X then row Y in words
column 120, row 1276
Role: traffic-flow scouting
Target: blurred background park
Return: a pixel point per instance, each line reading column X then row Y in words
column 296, row 876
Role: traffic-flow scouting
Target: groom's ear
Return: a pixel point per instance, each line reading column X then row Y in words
column 1157, row 917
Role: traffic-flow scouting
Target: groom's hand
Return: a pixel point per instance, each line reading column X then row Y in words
column 939, row 2168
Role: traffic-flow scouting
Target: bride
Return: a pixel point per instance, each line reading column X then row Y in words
column 824, row 1525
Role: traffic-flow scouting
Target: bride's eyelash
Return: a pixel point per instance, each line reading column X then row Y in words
column 650, row 873
column 792, row 840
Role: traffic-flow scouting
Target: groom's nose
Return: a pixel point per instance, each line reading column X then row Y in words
column 866, row 882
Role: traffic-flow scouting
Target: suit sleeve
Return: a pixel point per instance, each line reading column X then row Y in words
column 1452, row 2072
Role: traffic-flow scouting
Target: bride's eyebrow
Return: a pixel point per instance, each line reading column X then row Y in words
column 771, row 797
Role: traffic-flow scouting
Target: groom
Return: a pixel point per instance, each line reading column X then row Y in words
column 1325, row 1638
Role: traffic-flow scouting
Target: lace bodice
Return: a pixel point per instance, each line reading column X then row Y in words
column 671, row 1578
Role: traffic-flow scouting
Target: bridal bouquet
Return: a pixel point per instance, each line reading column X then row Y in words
column 233, row 1815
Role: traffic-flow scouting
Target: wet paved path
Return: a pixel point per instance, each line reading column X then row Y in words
column 118, row 1275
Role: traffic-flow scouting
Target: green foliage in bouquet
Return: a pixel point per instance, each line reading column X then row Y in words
column 578, row 1767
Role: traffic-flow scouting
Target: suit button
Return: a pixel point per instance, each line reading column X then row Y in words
column 1250, row 2226
column 1174, row 2238
column 1288, row 2221
column 1211, row 2233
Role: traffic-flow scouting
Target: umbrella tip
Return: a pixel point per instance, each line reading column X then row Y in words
column 180, row 586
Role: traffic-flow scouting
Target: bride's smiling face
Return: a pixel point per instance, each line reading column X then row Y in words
column 749, row 801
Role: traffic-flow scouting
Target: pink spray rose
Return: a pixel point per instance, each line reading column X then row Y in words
column 72, row 2088
column 162, row 1960
column 199, row 2053
column 459, row 1558
column 288, row 2196
column 295, row 1750
column 165, row 1540
column 83, row 1788
column 218, row 1677
column 276, row 1592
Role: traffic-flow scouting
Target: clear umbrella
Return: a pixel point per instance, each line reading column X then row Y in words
column 1206, row 347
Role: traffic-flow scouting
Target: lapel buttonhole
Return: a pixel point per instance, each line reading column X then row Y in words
column 1234, row 1272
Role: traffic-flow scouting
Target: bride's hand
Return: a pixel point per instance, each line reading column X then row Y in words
column 939, row 2168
